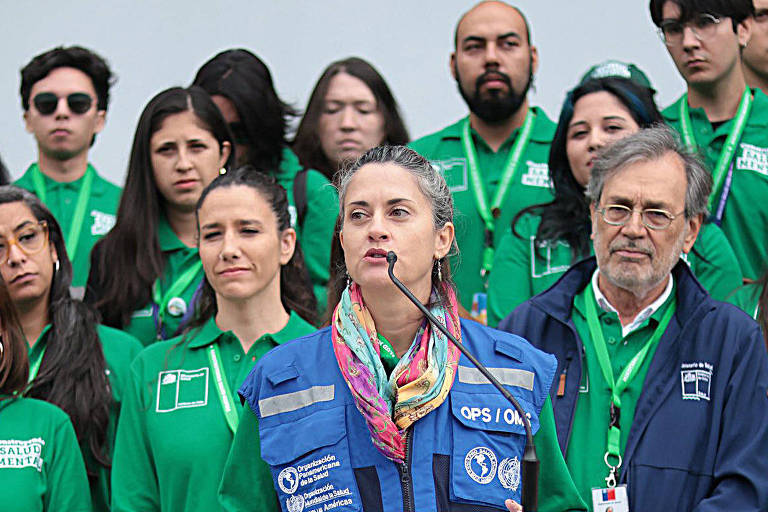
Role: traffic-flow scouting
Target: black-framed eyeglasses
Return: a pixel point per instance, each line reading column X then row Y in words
column 652, row 218
column 703, row 26
column 30, row 239
column 46, row 102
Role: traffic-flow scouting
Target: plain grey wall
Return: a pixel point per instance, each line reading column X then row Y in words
column 154, row 45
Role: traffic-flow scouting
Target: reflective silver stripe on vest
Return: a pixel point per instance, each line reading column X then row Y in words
column 507, row 376
column 296, row 400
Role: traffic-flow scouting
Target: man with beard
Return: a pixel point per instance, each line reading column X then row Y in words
column 64, row 93
column 494, row 160
column 660, row 391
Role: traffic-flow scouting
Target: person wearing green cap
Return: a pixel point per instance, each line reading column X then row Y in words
column 721, row 117
column 241, row 86
column 545, row 240
column 180, row 416
column 494, row 160
column 33, row 435
column 146, row 272
column 65, row 94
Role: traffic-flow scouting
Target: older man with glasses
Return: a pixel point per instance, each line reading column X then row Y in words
column 721, row 116
column 64, row 94
column 660, row 392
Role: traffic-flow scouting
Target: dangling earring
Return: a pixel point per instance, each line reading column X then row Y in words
column 56, row 266
column 349, row 279
column 2, row 349
column 223, row 170
column 439, row 270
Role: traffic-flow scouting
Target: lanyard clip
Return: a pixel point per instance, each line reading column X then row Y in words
column 612, row 479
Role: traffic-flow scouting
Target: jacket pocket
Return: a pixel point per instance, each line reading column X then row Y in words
column 487, row 449
column 310, row 462
column 667, row 488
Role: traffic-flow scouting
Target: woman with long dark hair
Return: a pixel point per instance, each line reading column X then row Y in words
column 146, row 271
column 351, row 110
column 33, row 433
column 612, row 101
column 75, row 363
column 179, row 415
column 241, row 85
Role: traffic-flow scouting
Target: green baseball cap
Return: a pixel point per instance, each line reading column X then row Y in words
column 617, row 69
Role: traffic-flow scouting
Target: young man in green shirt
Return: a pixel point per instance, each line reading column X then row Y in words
column 721, row 117
column 494, row 160
column 659, row 388
column 65, row 93
column 755, row 54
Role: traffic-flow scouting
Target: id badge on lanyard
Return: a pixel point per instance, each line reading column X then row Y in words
column 610, row 499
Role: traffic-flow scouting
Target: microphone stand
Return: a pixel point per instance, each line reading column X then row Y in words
column 530, row 464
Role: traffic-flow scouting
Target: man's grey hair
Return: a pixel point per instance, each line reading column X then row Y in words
column 648, row 145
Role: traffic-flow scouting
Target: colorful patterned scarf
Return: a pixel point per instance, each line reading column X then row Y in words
column 419, row 383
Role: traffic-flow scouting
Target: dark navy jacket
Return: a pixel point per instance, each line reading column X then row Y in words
column 699, row 439
column 462, row 456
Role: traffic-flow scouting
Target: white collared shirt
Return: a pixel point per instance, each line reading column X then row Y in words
column 643, row 315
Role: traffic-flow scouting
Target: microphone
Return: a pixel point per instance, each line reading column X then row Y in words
column 530, row 464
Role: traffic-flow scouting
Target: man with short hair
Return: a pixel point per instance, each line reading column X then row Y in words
column 659, row 387
column 755, row 54
column 65, row 93
column 721, row 116
column 494, row 160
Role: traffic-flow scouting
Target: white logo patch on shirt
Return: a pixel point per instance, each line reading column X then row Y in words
column 696, row 380
column 509, row 473
column 544, row 250
column 480, row 464
column 454, row 170
column 102, row 222
column 182, row 389
column 17, row 454
column 753, row 158
column 537, row 175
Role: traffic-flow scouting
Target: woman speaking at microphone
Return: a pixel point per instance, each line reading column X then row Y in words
column 179, row 415
column 380, row 411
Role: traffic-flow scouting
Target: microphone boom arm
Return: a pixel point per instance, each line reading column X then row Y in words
column 530, row 465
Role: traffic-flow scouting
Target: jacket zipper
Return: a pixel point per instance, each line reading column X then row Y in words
column 404, row 469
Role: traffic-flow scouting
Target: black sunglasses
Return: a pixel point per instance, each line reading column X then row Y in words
column 46, row 102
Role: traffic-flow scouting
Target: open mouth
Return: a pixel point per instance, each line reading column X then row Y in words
column 376, row 254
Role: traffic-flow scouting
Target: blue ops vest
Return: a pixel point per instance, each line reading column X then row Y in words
column 467, row 451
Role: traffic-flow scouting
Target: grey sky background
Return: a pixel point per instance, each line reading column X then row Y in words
column 155, row 45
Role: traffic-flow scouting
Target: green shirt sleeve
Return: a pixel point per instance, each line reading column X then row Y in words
column 317, row 232
column 246, row 484
column 134, row 478
column 557, row 491
column 715, row 266
column 509, row 284
column 67, row 481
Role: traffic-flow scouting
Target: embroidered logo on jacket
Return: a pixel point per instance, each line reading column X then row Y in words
column 696, row 380
column 509, row 473
column 480, row 464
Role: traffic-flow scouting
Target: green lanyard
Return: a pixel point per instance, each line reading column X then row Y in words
column 34, row 366
column 73, row 239
column 489, row 215
column 225, row 394
column 629, row 373
column 729, row 148
column 175, row 290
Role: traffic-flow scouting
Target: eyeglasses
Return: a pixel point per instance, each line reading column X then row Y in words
column 652, row 218
column 702, row 25
column 46, row 102
column 30, row 239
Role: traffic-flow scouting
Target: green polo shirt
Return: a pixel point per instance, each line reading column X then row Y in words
column 41, row 468
column 61, row 199
column 745, row 220
column 246, row 475
column 119, row 351
column 588, row 441
column 178, row 258
column 173, row 438
column 316, row 233
column 520, row 271
column 530, row 186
